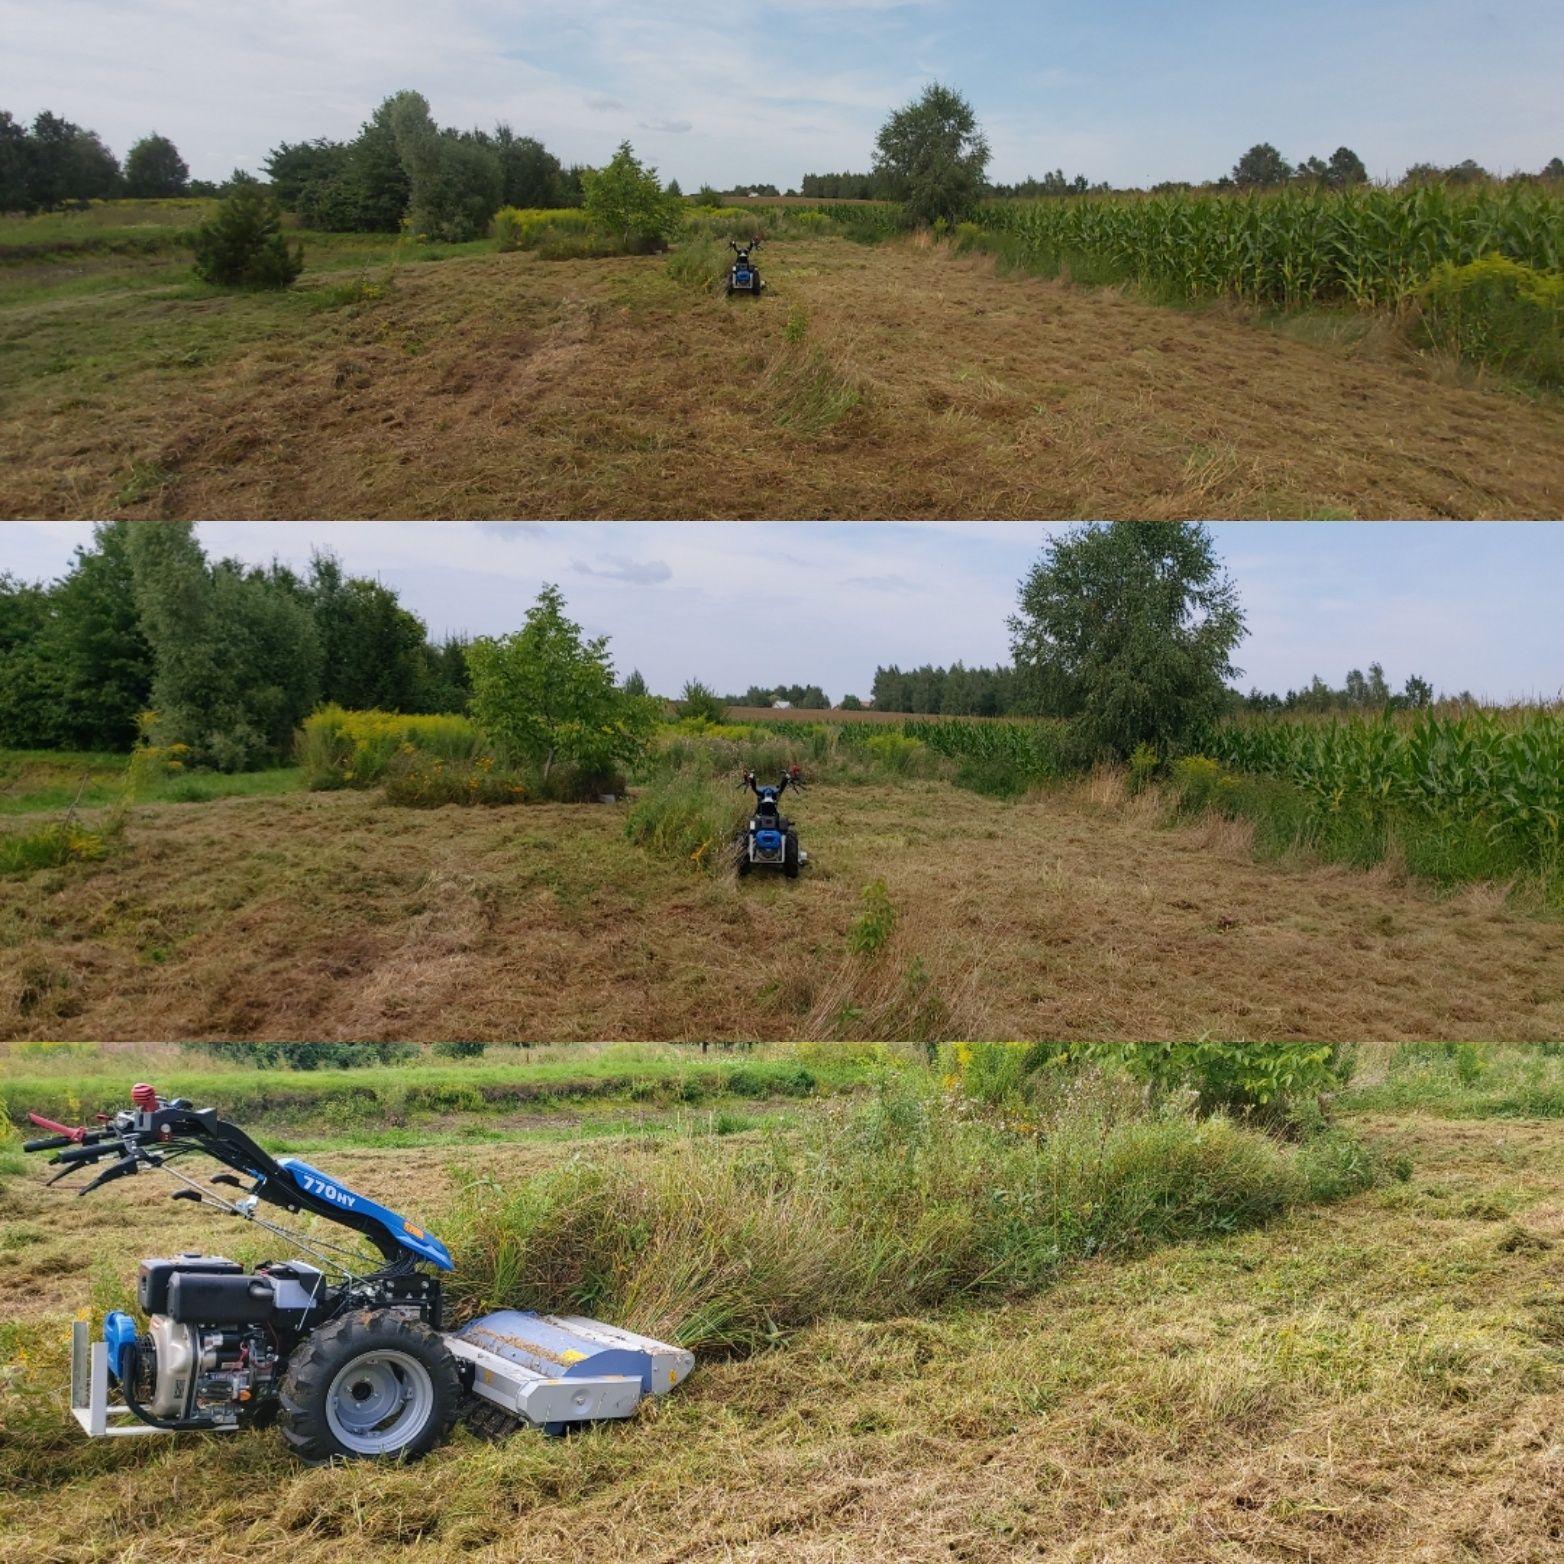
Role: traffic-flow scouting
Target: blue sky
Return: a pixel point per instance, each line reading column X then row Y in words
column 1467, row 605
column 1128, row 91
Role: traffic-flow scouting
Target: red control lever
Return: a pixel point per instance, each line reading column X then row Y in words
column 77, row 1135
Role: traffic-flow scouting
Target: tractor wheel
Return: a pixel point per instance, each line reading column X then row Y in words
column 369, row 1386
column 790, row 855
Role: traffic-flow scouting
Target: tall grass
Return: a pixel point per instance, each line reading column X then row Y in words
column 1470, row 1081
column 893, row 1206
column 689, row 817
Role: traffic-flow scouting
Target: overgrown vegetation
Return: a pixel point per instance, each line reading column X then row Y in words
column 877, row 1210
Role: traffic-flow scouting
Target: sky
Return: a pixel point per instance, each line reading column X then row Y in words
column 1127, row 91
column 1466, row 605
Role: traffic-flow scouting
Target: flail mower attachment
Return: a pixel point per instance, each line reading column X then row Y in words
column 349, row 1362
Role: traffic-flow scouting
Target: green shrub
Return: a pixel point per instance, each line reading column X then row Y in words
column 1499, row 312
column 241, row 244
column 50, row 847
column 1241, row 1075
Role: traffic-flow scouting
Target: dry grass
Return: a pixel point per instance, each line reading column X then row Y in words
column 334, row 916
column 1370, row 1384
column 927, row 386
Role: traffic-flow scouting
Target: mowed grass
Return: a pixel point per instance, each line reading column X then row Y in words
column 1378, row 1380
column 36, row 781
column 1069, row 913
column 896, row 380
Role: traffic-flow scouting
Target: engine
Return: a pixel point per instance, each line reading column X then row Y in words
column 218, row 1338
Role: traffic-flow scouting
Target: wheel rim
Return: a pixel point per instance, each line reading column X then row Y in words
column 379, row 1402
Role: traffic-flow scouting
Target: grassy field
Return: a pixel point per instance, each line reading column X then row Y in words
column 1376, row 1380
column 505, row 385
column 1075, row 911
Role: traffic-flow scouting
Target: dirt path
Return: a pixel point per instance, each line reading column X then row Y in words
column 920, row 386
column 331, row 916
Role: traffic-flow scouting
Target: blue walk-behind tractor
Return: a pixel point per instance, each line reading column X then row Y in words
column 348, row 1358
column 744, row 274
column 770, row 840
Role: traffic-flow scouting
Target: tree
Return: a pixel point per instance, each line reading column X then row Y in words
column 235, row 655
column 29, row 684
column 154, row 168
column 635, row 686
column 96, row 647
column 1345, row 169
column 295, row 167
column 1554, row 168
column 1261, row 166
column 933, row 156
column 454, row 185
column 16, row 162
column 373, row 651
column 1128, row 629
column 547, row 696
column 629, row 201
column 66, row 163
column 241, row 244
column 530, row 175
column 701, row 701
column 851, row 703
column 1418, row 693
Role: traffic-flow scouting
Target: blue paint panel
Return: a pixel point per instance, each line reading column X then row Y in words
column 119, row 1332
column 334, row 1192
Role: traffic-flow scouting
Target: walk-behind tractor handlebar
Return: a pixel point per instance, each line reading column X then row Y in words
column 347, row 1364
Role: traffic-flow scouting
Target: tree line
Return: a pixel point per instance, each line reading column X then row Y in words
column 144, row 635
column 54, row 162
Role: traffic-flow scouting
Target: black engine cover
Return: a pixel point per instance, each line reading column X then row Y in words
column 152, row 1286
column 200, row 1298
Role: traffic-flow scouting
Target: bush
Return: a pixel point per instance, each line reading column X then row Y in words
column 241, row 244
column 1241, row 1075
column 1498, row 312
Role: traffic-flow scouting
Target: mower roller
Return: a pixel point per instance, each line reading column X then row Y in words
column 349, row 1363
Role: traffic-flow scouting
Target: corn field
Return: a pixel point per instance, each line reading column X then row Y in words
column 1031, row 747
column 1369, row 247
column 1504, row 772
